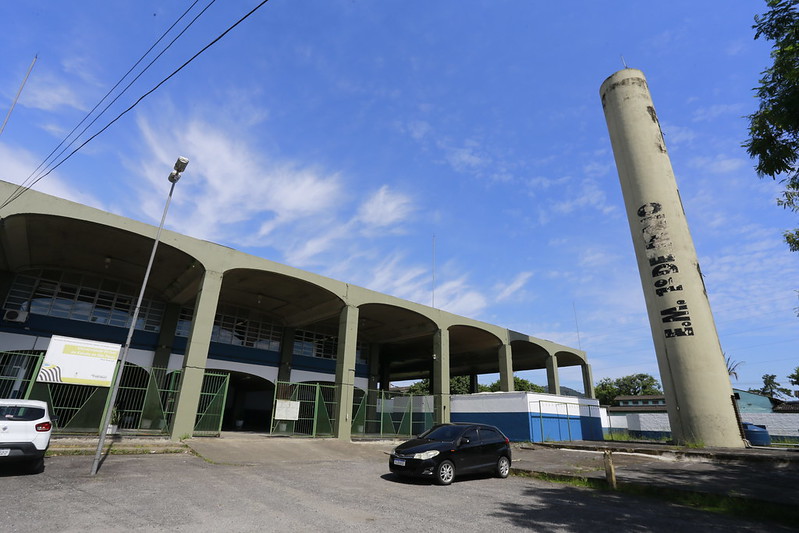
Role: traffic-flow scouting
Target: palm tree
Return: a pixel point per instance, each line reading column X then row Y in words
column 732, row 367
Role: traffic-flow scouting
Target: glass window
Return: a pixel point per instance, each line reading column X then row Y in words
column 75, row 296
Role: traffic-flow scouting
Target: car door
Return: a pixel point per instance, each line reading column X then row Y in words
column 491, row 445
column 468, row 452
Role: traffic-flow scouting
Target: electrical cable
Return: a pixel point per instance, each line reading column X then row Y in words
column 19, row 192
column 22, row 187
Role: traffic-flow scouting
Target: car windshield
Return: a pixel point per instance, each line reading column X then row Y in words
column 18, row 412
column 443, row 433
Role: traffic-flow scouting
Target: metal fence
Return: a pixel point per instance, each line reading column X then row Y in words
column 145, row 403
column 212, row 404
column 304, row 409
column 378, row 413
column 17, row 372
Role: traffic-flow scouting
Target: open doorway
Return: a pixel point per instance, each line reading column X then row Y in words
column 249, row 403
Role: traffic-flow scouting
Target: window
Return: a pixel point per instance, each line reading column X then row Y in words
column 82, row 297
column 237, row 326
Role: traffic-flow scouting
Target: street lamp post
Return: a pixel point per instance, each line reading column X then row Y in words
column 174, row 176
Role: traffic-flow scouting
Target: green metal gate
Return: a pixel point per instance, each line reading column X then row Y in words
column 18, row 370
column 212, row 404
column 306, row 409
column 145, row 403
column 378, row 413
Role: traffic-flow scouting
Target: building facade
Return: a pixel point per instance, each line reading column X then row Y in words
column 72, row 270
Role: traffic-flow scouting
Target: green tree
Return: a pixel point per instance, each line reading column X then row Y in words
column 774, row 127
column 519, row 384
column 771, row 387
column 457, row 385
column 732, row 367
column 794, row 377
column 633, row 385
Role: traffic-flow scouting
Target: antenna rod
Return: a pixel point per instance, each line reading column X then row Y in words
column 14, row 103
column 434, row 271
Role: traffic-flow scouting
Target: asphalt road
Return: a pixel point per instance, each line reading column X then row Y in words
column 181, row 492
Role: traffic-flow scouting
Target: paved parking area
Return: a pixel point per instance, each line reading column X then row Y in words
column 298, row 485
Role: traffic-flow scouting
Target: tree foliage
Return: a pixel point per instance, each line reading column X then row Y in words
column 462, row 385
column 633, row 385
column 519, row 384
column 774, row 128
column 457, row 385
column 794, row 377
column 771, row 387
column 732, row 367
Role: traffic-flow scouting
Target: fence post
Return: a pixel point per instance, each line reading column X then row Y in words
column 316, row 410
column 34, row 376
column 610, row 470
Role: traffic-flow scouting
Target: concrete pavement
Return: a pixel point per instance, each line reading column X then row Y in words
column 758, row 474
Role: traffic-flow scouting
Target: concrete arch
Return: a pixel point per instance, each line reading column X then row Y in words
column 473, row 350
column 287, row 300
column 400, row 340
column 31, row 240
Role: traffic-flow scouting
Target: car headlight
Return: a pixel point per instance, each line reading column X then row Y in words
column 429, row 454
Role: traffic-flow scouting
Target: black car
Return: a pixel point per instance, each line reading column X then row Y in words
column 446, row 450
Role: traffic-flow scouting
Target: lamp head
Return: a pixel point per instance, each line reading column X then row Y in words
column 180, row 166
column 181, row 163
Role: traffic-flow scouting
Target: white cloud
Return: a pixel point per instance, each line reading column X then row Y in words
column 589, row 194
column 505, row 291
column 719, row 164
column 714, row 111
column 48, row 93
column 677, row 135
column 384, row 208
column 16, row 165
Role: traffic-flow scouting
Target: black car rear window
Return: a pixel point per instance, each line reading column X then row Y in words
column 21, row 413
column 489, row 435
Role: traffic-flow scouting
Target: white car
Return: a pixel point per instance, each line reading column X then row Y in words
column 25, row 428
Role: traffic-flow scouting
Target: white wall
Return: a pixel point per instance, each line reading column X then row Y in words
column 780, row 424
column 777, row 424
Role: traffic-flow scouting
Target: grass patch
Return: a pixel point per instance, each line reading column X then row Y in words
column 715, row 503
column 112, row 450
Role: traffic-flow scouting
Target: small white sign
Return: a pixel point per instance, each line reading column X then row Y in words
column 79, row 361
column 287, row 410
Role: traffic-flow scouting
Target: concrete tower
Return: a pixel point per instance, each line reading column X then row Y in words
column 692, row 367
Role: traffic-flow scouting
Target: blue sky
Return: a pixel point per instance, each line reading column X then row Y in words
column 347, row 137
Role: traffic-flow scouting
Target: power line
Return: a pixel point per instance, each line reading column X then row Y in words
column 21, row 190
column 23, row 187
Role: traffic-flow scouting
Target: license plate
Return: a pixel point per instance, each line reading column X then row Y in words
column 7, row 451
column 399, row 462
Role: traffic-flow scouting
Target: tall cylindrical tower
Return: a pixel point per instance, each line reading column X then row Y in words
column 692, row 367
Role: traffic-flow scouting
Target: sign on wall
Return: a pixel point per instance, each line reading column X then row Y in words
column 287, row 410
column 79, row 361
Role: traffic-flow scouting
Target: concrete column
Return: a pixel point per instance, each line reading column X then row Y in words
column 588, row 381
column 385, row 373
column 372, row 417
column 166, row 337
column 286, row 353
column 474, row 385
column 692, row 367
column 440, row 381
column 345, row 371
column 553, row 379
column 191, row 380
column 506, row 383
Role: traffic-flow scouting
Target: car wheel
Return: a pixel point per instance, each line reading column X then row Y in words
column 36, row 466
column 445, row 473
column 503, row 467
